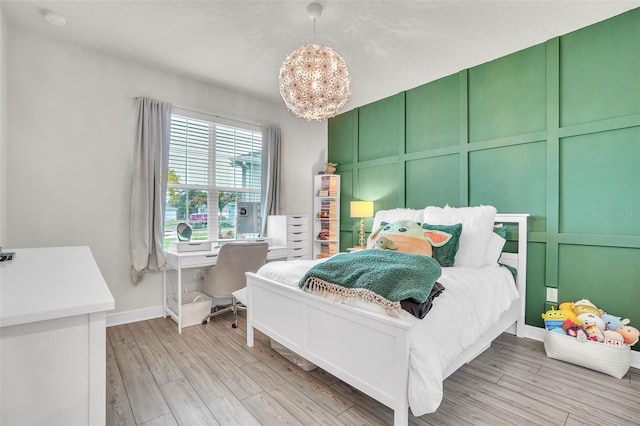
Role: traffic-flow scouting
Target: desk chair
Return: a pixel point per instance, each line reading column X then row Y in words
column 228, row 275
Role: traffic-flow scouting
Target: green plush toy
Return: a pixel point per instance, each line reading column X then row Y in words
column 408, row 237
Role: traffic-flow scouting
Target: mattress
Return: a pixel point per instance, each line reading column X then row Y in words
column 473, row 300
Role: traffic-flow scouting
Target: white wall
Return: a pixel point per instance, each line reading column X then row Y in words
column 3, row 128
column 70, row 134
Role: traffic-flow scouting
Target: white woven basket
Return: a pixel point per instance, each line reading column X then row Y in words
column 195, row 307
column 608, row 359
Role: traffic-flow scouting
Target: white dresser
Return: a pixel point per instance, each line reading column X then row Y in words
column 291, row 231
column 53, row 304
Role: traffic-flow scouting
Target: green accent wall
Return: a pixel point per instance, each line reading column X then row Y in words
column 552, row 130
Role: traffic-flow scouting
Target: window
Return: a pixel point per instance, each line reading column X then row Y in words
column 214, row 168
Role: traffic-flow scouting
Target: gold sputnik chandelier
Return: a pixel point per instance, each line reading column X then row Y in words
column 314, row 79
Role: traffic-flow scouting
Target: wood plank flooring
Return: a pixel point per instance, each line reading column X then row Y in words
column 208, row 376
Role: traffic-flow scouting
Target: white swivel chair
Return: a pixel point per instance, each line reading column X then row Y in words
column 228, row 275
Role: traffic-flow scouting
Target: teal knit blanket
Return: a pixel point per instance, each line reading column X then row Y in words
column 381, row 276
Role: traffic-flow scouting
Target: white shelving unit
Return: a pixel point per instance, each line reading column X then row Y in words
column 291, row 231
column 326, row 215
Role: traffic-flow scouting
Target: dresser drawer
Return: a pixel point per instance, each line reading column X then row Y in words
column 297, row 220
column 298, row 243
column 294, row 251
column 297, row 227
column 299, row 257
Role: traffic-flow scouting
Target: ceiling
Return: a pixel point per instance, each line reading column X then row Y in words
column 389, row 46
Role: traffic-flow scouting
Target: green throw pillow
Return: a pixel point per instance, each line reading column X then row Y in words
column 446, row 254
column 500, row 229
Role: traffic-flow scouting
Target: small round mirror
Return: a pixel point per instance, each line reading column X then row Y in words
column 184, row 232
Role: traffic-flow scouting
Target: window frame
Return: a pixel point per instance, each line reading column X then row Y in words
column 212, row 190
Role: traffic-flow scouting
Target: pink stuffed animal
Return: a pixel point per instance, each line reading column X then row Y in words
column 629, row 334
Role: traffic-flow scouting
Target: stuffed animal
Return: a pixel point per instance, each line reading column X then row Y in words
column 553, row 319
column 568, row 313
column 566, row 305
column 554, row 314
column 584, row 306
column 571, row 327
column 613, row 335
column 594, row 333
column 409, row 237
column 629, row 334
column 613, row 323
column 383, row 243
column 591, row 319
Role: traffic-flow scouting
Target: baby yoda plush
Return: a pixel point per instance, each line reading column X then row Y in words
column 408, row 237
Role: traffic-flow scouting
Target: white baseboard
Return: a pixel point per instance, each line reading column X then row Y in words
column 537, row 333
column 126, row 317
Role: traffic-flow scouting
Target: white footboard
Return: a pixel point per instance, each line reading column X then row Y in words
column 368, row 351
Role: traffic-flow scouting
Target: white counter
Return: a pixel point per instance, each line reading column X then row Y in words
column 54, row 282
column 53, row 304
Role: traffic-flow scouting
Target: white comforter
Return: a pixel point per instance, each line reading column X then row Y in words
column 472, row 301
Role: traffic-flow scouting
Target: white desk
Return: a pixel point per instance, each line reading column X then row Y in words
column 53, row 304
column 199, row 259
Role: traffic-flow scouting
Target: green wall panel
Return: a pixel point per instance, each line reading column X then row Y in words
column 476, row 137
column 508, row 96
column 343, row 135
column 432, row 115
column 600, row 183
column 536, row 254
column 511, row 178
column 348, row 239
column 607, row 276
column 347, row 227
column 379, row 127
column 346, row 194
column 432, row 181
column 599, row 76
column 381, row 185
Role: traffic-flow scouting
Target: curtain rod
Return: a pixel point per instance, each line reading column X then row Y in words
column 205, row 112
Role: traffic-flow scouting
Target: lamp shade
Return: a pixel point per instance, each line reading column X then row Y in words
column 362, row 209
column 314, row 82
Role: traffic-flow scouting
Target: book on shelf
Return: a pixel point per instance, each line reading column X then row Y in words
column 328, row 209
column 328, row 186
column 327, row 249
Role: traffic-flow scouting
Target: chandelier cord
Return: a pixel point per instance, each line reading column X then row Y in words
column 314, row 30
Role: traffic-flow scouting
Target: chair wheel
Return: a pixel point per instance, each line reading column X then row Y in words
column 204, row 322
column 234, row 325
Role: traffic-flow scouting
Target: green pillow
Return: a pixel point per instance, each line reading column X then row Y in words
column 446, row 254
column 500, row 229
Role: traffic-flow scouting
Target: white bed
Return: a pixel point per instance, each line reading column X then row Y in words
column 383, row 356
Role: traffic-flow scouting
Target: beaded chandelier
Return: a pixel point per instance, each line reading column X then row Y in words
column 314, row 79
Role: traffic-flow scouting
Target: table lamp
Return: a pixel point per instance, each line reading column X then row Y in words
column 362, row 209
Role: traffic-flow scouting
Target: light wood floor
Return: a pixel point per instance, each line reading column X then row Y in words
column 207, row 376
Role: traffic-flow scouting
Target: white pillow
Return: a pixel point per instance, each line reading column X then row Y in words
column 477, row 227
column 494, row 249
column 395, row 215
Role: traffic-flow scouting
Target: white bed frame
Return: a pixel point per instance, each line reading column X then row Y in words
column 369, row 351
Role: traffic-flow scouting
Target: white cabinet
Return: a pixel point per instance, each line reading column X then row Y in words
column 53, row 304
column 326, row 211
column 291, row 231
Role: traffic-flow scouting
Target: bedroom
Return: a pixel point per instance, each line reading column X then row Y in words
column 37, row 157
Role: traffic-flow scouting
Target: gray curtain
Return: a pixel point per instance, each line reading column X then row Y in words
column 270, row 174
column 148, row 194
